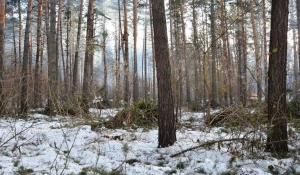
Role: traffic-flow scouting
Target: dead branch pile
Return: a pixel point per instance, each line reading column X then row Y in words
column 141, row 113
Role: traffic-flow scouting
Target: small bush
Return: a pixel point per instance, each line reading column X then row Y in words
column 23, row 171
column 180, row 165
column 132, row 161
column 201, row 171
column 16, row 163
column 141, row 113
column 161, row 164
column 195, row 107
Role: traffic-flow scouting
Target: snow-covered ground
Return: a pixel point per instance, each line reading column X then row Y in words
column 65, row 145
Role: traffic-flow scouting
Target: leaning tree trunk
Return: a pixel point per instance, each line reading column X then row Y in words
column 24, row 90
column 166, row 119
column 277, row 115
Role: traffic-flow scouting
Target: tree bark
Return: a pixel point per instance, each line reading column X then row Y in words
column 20, row 31
column 196, row 54
column 104, row 36
column 135, row 90
column 52, row 61
column 24, row 90
column 213, row 57
column 265, row 48
column 145, row 60
column 125, row 57
column 256, row 51
column 227, row 78
column 244, row 58
column 298, row 27
column 37, row 84
column 277, row 115
column 89, row 51
column 76, row 59
column 188, row 90
column 296, row 64
column 68, row 48
column 166, row 119
column 153, row 54
column 2, row 41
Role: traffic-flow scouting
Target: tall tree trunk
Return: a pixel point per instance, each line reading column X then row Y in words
column 166, row 118
column 188, row 88
column 24, row 90
column 213, row 56
column 296, row 65
column 87, row 79
column 256, row 51
column 104, row 36
column 239, row 38
column 125, row 57
column 230, row 69
column 15, row 45
column 244, row 59
column 76, row 59
column 196, row 54
column 242, row 56
column 37, row 84
column 145, row 59
column 68, row 48
column 277, row 115
column 20, row 31
column 2, row 38
column 298, row 27
column 60, row 39
column 153, row 53
column 135, row 90
column 265, row 48
column 52, row 60
column 224, row 49
column 120, row 47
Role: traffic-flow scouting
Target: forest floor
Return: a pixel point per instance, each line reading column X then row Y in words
column 41, row 144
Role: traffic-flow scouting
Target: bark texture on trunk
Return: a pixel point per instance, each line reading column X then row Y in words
column 24, row 90
column 2, row 34
column 89, row 51
column 166, row 119
column 277, row 115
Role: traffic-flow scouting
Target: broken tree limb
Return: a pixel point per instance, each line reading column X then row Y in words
column 207, row 143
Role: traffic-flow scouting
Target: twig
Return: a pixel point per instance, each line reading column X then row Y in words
column 19, row 133
column 206, row 143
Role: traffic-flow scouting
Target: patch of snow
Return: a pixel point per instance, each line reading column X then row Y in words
column 48, row 145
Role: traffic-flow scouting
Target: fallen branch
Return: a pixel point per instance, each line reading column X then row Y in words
column 207, row 143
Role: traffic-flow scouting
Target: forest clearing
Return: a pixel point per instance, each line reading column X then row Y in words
column 149, row 87
column 41, row 144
